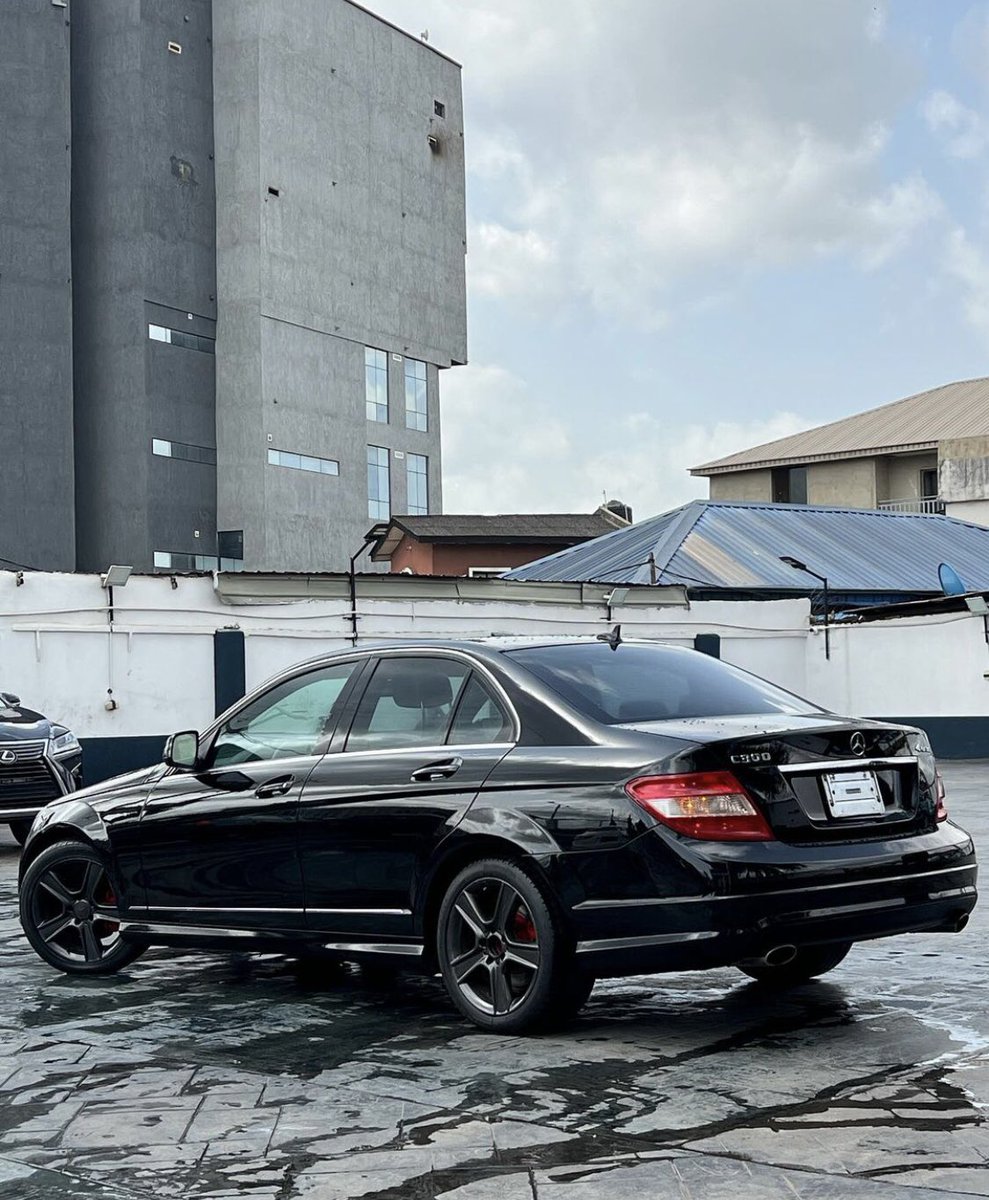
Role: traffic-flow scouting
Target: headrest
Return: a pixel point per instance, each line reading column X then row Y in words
column 422, row 690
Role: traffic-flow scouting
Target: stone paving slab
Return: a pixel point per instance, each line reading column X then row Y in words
column 196, row 1078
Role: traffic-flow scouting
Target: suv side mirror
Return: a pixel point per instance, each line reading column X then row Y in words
column 182, row 750
column 10, row 698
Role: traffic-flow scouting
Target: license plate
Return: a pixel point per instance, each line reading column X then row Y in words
column 853, row 794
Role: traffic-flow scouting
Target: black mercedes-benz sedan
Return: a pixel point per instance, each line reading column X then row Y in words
column 521, row 818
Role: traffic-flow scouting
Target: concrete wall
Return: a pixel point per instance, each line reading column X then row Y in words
column 37, row 490
column 741, row 485
column 902, row 479
column 142, row 244
column 159, row 661
column 848, row 484
column 363, row 245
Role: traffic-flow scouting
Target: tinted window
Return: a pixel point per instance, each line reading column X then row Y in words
column 479, row 717
column 653, row 683
column 407, row 703
column 292, row 719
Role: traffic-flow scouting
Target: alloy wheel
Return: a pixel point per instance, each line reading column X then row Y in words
column 74, row 911
column 492, row 946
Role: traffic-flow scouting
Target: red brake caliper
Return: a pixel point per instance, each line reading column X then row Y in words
column 523, row 930
column 109, row 898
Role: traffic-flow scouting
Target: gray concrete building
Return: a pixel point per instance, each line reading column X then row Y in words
column 267, row 247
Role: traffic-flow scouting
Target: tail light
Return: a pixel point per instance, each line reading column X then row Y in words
column 711, row 805
column 942, row 808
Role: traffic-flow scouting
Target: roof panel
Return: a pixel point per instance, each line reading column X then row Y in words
column 735, row 545
column 955, row 410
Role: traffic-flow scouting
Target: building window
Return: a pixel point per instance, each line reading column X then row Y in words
column 178, row 337
column 304, row 462
column 415, row 394
column 198, row 454
column 230, row 548
column 790, row 485
column 928, row 484
column 417, row 479
column 487, row 572
column 176, row 560
column 376, row 384
column 378, row 484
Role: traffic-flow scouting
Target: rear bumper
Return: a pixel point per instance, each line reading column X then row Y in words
column 927, row 884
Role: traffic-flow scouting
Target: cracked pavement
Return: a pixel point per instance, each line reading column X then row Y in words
column 197, row 1076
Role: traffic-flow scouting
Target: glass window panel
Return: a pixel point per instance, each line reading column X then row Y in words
column 376, row 384
column 162, row 558
column 417, row 480
column 408, row 703
column 378, row 484
column 480, row 718
column 329, row 466
column 295, row 718
column 158, row 333
column 308, row 463
column 162, row 448
column 415, row 394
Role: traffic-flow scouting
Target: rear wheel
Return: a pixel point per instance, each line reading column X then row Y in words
column 69, row 911
column 807, row 963
column 20, row 830
column 503, row 950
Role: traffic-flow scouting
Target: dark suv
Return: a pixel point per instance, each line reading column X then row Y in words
column 39, row 761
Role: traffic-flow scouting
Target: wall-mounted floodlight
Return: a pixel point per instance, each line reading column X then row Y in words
column 116, row 577
column 800, row 566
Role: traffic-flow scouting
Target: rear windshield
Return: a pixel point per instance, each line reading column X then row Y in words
column 653, row 683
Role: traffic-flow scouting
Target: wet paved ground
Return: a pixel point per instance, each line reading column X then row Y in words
column 189, row 1077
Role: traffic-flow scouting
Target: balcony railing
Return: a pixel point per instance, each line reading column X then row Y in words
column 928, row 504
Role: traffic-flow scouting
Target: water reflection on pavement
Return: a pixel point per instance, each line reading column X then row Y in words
column 200, row 1076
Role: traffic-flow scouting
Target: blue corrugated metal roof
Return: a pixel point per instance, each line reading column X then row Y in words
column 736, row 546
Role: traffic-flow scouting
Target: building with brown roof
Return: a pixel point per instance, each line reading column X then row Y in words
column 472, row 545
column 926, row 453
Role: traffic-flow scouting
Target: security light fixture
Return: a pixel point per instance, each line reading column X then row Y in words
column 116, row 577
column 799, row 566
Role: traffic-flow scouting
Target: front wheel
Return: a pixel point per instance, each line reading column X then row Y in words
column 69, row 911
column 806, row 964
column 503, row 950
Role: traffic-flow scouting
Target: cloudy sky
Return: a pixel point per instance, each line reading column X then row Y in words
column 696, row 225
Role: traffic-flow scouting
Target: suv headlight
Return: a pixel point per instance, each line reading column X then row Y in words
column 64, row 742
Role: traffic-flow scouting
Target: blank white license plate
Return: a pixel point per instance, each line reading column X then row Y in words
column 853, row 794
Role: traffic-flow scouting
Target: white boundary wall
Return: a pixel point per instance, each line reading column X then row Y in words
column 56, row 651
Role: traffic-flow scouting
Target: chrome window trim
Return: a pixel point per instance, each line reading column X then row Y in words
column 843, row 764
column 442, row 748
column 404, row 948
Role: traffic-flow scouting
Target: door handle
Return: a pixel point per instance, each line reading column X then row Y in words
column 275, row 787
column 437, row 770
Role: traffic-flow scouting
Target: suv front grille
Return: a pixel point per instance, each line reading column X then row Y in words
column 27, row 779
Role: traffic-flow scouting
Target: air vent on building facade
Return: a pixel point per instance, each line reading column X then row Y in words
column 439, row 108
column 174, row 48
column 273, row 192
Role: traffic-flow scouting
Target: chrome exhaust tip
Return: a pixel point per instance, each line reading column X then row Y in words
column 779, row 956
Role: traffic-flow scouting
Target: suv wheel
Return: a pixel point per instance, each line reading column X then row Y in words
column 503, row 950
column 69, row 911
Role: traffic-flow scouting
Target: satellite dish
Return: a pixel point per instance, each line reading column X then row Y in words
column 951, row 583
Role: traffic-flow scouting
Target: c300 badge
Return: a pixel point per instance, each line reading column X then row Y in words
column 763, row 756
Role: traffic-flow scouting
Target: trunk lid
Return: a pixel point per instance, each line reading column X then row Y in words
column 818, row 779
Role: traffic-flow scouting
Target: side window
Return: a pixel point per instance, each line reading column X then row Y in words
column 292, row 719
column 407, row 703
column 479, row 717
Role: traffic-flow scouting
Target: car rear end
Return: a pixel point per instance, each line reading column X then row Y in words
column 769, row 830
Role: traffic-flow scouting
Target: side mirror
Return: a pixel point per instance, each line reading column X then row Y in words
column 10, row 698
column 182, row 750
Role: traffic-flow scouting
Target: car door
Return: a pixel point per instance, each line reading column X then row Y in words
column 426, row 733
column 219, row 846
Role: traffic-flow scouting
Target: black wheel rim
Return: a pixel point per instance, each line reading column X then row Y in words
column 74, row 911
column 492, row 946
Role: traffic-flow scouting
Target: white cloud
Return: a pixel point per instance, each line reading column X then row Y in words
column 968, row 265
column 962, row 130
column 506, row 450
column 621, row 147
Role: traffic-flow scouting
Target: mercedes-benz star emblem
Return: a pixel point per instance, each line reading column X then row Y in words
column 8, row 756
column 858, row 744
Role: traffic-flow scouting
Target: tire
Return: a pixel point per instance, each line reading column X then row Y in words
column 503, row 950
column 68, row 911
column 809, row 962
column 20, row 830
